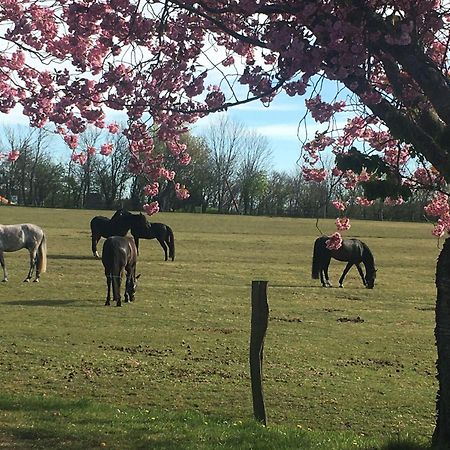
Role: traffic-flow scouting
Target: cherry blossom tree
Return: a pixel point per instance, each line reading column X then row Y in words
column 167, row 63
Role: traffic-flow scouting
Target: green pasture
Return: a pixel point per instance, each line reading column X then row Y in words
column 343, row 368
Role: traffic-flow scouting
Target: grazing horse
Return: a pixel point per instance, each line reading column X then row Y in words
column 160, row 231
column 119, row 254
column 353, row 251
column 24, row 235
column 118, row 225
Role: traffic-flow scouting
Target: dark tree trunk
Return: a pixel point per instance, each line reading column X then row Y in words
column 441, row 435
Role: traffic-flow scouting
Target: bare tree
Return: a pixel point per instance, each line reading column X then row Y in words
column 226, row 141
column 253, row 169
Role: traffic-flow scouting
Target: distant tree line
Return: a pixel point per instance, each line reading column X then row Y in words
column 230, row 173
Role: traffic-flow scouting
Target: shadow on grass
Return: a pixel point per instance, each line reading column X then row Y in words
column 44, row 423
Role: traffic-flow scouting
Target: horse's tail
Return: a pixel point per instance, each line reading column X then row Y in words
column 318, row 251
column 171, row 242
column 42, row 255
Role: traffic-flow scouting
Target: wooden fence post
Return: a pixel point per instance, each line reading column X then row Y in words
column 259, row 321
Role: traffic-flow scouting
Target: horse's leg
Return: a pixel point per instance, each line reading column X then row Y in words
column 33, row 254
column 125, row 295
column 344, row 273
column 95, row 239
column 164, row 246
column 322, row 279
column 5, row 272
column 108, row 295
column 361, row 274
column 116, row 289
column 325, row 270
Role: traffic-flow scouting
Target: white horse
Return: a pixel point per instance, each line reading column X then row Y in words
column 24, row 235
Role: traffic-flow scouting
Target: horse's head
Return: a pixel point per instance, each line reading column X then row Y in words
column 370, row 278
column 131, row 286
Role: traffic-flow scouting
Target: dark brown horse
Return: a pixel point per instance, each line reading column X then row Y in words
column 160, row 231
column 120, row 254
column 353, row 251
column 118, row 225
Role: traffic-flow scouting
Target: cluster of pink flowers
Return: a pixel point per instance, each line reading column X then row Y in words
column 113, row 128
column 106, row 149
column 80, row 158
column 362, row 201
column 339, row 205
column 181, row 192
column 151, row 208
column 317, row 175
column 334, row 242
column 13, row 155
column 151, row 189
column 439, row 207
column 343, row 223
column 322, row 111
column 393, row 201
column 71, row 140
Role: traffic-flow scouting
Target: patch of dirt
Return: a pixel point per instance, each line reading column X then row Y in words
column 350, row 319
column 213, row 330
column 425, row 308
column 140, row 349
column 286, row 319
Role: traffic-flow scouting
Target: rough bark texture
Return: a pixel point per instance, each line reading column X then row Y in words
column 441, row 436
column 259, row 322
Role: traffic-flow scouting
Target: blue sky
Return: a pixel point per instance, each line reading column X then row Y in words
column 279, row 123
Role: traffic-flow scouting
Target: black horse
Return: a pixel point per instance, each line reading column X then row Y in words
column 352, row 250
column 160, row 231
column 118, row 225
column 120, row 254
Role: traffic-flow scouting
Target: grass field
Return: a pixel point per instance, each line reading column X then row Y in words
column 343, row 368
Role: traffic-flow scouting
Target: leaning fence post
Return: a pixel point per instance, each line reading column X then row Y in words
column 259, row 321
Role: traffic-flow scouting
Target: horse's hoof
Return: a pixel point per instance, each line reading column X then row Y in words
column 119, row 304
column 27, row 280
column 36, row 280
column 96, row 255
column 341, row 285
column 4, row 280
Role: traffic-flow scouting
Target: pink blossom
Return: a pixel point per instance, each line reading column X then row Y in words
column 80, row 158
column 13, row 155
column 151, row 208
column 113, row 128
column 339, row 205
column 334, row 242
column 438, row 230
column 91, row 150
column 362, row 201
column 317, row 175
column 106, row 149
column 343, row 223
column 71, row 140
column 181, row 192
column 393, row 201
column 151, row 189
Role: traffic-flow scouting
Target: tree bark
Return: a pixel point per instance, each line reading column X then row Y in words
column 259, row 321
column 441, row 435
